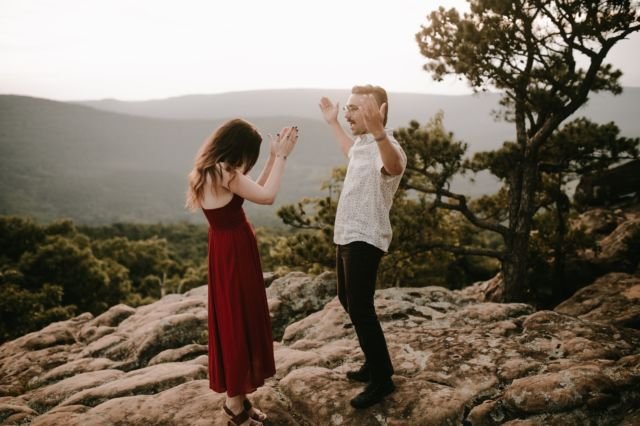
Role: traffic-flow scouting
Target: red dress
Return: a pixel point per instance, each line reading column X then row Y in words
column 240, row 339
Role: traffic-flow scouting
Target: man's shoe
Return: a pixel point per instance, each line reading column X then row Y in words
column 360, row 375
column 372, row 394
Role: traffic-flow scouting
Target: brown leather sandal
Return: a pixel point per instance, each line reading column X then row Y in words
column 238, row 419
column 257, row 414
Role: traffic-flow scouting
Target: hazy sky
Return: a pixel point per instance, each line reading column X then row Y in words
column 144, row 49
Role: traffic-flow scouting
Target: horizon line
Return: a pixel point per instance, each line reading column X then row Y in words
column 114, row 99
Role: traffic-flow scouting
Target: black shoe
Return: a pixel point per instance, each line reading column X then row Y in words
column 361, row 375
column 373, row 393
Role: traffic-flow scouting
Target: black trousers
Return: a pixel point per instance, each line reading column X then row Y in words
column 357, row 268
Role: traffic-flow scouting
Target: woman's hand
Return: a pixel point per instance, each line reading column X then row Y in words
column 286, row 141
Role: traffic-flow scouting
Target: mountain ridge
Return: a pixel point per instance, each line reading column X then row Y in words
column 96, row 166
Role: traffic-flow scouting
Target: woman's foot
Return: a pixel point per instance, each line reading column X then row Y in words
column 254, row 413
column 238, row 416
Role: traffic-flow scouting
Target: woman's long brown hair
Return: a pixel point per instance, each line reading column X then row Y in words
column 236, row 143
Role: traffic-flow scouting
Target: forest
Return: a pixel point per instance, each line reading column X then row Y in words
column 54, row 271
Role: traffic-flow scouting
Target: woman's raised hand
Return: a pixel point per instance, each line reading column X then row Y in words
column 286, row 141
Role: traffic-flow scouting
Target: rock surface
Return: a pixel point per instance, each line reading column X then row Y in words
column 611, row 229
column 613, row 298
column 295, row 296
column 458, row 361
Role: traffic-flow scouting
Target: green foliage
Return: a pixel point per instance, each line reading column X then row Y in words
column 22, row 311
column 544, row 244
column 311, row 248
column 52, row 272
column 188, row 242
column 407, row 264
column 528, row 46
column 193, row 277
column 577, row 148
column 18, row 235
column 529, row 51
column 433, row 155
column 146, row 260
column 492, row 207
column 304, row 251
column 582, row 146
column 88, row 282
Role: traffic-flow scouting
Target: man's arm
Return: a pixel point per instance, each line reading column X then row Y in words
column 392, row 158
column 330, row 113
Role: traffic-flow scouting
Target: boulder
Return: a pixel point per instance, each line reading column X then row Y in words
column 613, row 299
column 296, row 295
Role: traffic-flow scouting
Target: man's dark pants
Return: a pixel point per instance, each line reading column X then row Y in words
column 357, row 268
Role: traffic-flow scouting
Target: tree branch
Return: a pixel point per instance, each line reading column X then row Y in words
column 583, row 90
column 419, row 188
column 480, row 223
column 301, row 225
column 460, row 207
column 470, row 251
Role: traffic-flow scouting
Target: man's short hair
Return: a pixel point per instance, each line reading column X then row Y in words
column 378, row 93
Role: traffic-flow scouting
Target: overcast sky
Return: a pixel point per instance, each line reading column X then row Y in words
column 149, row 49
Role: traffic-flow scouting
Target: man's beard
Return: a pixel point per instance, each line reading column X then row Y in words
column 355, row 131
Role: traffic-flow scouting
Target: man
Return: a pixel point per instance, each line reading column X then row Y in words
column 362, row 230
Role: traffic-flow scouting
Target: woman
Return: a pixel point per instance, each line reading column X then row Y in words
column 240, row 340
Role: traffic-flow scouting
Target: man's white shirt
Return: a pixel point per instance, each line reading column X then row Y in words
column 367, row 195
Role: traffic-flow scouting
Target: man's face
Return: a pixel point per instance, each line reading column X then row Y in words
column 353, row 114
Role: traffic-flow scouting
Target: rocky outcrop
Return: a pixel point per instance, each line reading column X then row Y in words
column 457, row 361
column 612, row 299
column 491, row 290
column 296, row 295
column 612, row 230
column 616, row 248
column 599, row 221
column 618, row 185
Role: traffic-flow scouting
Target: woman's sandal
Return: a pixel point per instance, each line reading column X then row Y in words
column 238, row 419
column 257, row 414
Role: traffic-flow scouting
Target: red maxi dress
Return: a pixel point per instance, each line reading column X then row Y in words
column 240, row 339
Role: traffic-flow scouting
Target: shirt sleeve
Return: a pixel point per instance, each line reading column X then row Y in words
column 380, row 164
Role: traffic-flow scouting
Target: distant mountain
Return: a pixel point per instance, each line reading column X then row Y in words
column 59, row 159
column 469, row 116
column 106, row 161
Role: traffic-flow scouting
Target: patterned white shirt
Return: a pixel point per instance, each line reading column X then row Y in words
column 367, row 195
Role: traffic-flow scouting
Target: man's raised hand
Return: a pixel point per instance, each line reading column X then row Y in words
column 329, row 110
column 373, row 115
